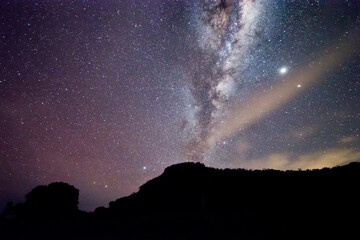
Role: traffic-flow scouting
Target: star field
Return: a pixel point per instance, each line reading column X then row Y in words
column 105, row 95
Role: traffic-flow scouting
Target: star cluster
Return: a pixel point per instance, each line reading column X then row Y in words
column 105, row 95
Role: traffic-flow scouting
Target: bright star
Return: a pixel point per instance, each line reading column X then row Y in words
column 299, row 85
column 283, row 70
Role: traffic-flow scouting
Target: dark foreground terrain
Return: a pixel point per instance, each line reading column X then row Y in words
column 191, row 201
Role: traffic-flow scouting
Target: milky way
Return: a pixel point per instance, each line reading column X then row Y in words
column 105, row 95
column 226, row 30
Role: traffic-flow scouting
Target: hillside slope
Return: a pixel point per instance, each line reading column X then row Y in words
column 191, row 201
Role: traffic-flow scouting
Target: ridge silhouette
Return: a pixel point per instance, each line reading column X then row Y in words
column 191, row 201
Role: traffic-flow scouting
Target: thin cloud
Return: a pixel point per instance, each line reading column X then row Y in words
column 266, row 101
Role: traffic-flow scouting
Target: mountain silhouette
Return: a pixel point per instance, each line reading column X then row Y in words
column 191, row 201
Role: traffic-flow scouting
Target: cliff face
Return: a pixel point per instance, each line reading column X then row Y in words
column 191, row 201
column 193, row 187
column 317, row 203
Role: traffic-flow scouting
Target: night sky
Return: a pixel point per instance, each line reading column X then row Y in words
column 106, row 94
